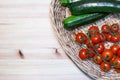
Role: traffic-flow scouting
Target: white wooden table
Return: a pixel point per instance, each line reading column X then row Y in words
column 25, row 26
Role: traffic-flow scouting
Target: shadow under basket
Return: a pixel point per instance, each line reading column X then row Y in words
column 67, row 41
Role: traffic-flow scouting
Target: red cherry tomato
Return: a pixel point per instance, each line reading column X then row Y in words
column 107, row 54
column 105, row 66
column 89, row 43
column 93, row 30
column 109, row 36
column 111, row 61
column 81, row 38
column 97, row 59
column 95, row 38
column 91, row 52
column 83, row 54
column 115, row 38
column 118, row 52
column 105, row 28
column 116, row 63
column 99, row 47
column 114, row 48
column 114, row 28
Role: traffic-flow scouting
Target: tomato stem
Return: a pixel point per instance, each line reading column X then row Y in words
column 96, row 51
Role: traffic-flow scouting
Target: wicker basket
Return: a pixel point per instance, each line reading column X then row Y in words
column 71, row 48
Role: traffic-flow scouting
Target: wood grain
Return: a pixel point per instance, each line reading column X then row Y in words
column 39, row 70
column 25, row 26
column 37, row 54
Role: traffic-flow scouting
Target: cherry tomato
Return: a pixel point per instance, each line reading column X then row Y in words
column 99, row 47
column 95, row 38
column 93, row 30
column 91, row 52
column 118, row 52
column 97, row 59
column 105, row 28
column 111, row 61
column 81, row 37
column 114, row 28
column 107, row 54
column 109, row 36
column 105, row 66
column 115, row 38
column 83, row 54
column 89, row 43
column 114, row 48
column 116, row 63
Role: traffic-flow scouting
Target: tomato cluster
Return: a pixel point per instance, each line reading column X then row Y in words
column 111, row 32
column 95, row 49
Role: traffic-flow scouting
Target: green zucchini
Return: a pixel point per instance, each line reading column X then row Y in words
column 67, row 2
column 73, row 22
column 91, row 6
column 64, row 2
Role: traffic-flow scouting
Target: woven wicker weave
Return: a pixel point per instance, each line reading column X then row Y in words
column 71, row 48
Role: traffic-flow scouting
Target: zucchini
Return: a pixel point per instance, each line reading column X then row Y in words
column 67, row 2
column 64, row 2
column 73, row 22
column 91, row 6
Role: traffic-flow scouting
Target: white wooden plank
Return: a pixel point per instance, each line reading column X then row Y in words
column 16, row 2
column 25, row 23
column 40, row 69
column 23, row 26
column 19, row 43
column 21, row 8
column 23, row 14
column 9, row 54
column 25, row 10
column 27, row 33
column 46, row 53
column 39, row 77
column 18, row 12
